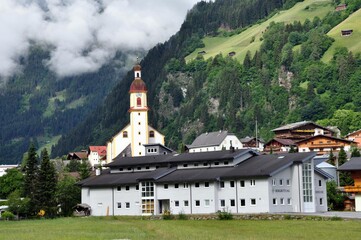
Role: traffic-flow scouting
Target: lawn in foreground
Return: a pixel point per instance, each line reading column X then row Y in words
column 130, row 228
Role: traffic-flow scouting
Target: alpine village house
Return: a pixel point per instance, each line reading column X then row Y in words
column 144, row 177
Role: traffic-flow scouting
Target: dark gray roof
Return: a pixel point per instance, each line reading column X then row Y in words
column 248, row 139
column 353, row 165
column 120, row 161
column 291, row 126
column 209, row 139
column 114, row 179
column 160, row 145
column 283, row 141
column 323, row 173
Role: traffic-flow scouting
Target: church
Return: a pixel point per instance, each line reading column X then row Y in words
column 134, row 138
column 143, row 177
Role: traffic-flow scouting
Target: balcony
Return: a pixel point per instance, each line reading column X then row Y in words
column 353, row 189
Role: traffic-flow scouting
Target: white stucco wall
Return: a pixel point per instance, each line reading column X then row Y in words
column 320, row 193
column 281, row 190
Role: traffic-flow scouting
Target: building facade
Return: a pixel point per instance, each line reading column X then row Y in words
column 238, row 181
column 132, row 138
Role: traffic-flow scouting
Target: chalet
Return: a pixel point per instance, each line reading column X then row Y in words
column 346, row 33
column 231, row 54
column 78, row 155
column 301, row 130
column 202, row 52
column 279, row 145
column 323, row 144
column 97, row 155
column 239, row 181
column 214, row 141
column 355, row 137
column 252, row 142
column 340, row 7
column 354, row 166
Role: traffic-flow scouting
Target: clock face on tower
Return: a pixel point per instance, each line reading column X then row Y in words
column 138, row 95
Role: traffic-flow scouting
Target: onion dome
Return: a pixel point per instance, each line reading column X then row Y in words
column 138, row 85
column 137, row 68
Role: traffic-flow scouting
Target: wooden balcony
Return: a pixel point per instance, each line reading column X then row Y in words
column 353, row 189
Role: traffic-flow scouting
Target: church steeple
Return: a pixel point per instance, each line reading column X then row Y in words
column 138, row 113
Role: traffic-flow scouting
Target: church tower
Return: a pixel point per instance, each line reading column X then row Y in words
column 138, row 113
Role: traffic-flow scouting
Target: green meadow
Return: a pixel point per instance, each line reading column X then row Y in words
column 136, row 228
column 251, row 38
column 353, row 42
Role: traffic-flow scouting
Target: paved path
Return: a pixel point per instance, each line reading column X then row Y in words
column 353, row 215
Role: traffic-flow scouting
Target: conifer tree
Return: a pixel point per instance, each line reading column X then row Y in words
column 345, row 177
column 46, row 186
column 30, row 177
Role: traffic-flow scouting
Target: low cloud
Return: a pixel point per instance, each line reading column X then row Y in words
column 84, row 34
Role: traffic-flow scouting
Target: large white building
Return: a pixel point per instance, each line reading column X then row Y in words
column 131, row 139
column 239, row 181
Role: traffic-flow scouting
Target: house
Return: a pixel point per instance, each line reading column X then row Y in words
column 323, row 144
column 347, row 32
column 231, row 54
column 97, row 155
column 340, row 7
column 279, row 145
column 355, row 137
column 239, row 181
column 78, row 155
column 301, row 130
column 214, row 141
column 252, row 142
column 131, row 139
column 354, row 166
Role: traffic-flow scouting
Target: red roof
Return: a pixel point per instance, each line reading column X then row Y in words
column 137, row 67
column 138, row 85
column 102, row 150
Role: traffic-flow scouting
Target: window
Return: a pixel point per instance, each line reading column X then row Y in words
column 307, row 182
column 221, row 184
column 125, row 134
column 274, row 201
column 206, row 184
column 288, row 201
column 252, row 182
column 319, row 183
column 216, row 163
column 139, row 102
column 288, row 182
column 241, row 183
column 138, row 123
column 119, row 188
column 253, row 202
column 126, row 188
column 196, row 184
column 139, row 168
column 243, row 202
column 185, row 165
column 198, row 203
column 120, row 169
column 137, row 187
column 146, row 167
column 281, row 182
column 196, row 164
column 222, row 203
column 151, row 134
column 148, row 206
column 205, row 164
column 225, row 163
column 232, row 202
column 231, row 183
column 129, row 169
column 165, row 186
column 127, row 205
column 282, row 201
column 140, row 143
column 186, row 203
column 176, row 203
column 206, row 202
column 176, row 185
column 147, row 189
column 185, row 185
column 273, row 182
column 321, row 201
column 119, row 205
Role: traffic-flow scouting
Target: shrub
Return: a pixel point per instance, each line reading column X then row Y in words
column 8, row 215
column 167, row 215
column 336, row 218
column 224, row 215
column 182, row 216
column 287, row 217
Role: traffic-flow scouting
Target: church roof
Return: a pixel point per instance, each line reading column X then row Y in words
column 138, row 85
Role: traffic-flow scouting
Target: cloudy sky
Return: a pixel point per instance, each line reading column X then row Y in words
column 84, row 34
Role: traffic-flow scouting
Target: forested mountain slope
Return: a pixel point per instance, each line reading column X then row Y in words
column 283, row 81
column 38, row 106
column 205, row 18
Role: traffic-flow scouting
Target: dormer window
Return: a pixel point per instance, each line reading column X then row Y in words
column 151, row 134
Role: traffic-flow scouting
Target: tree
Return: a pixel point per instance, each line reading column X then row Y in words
column 30, row 177
column 355, row 152
column 334, row 197
column 84, row 169
column 292, row 150
column 67, row 195
column 73, row 166
column 18, row 205
column 11, row 181
column 345, row 177
column 46, row 186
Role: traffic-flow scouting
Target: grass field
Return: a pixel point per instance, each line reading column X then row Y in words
column 241, row 43
column 130, row 228
column 353, row 42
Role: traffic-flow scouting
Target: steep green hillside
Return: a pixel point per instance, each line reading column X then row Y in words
column 353, row 42
column 251, row 38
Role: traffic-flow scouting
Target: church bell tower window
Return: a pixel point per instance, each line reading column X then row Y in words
column 139, row 102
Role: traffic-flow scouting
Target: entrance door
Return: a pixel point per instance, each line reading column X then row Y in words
column 164, row 205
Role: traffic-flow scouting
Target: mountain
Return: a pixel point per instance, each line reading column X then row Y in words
column 38, row 106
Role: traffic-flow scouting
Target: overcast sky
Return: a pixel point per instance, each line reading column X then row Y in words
column 84, row 34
